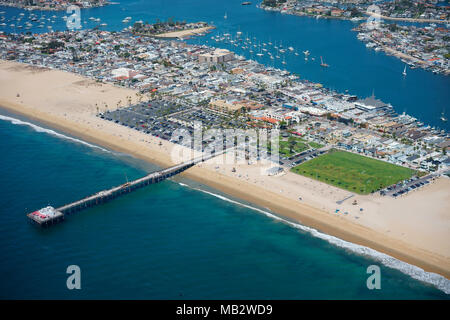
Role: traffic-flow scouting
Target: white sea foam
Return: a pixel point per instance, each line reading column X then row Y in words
column 414, row 272
column 49, row 131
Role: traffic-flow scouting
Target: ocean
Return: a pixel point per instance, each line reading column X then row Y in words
column 179, row 239
column 173, row 240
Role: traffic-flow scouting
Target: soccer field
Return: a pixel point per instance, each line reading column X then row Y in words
column 353, row 172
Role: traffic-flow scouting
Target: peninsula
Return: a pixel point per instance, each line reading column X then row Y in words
column 131, row 93
column 355, row 10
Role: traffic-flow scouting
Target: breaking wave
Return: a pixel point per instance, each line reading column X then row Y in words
column 414, row 272
column 49, row 131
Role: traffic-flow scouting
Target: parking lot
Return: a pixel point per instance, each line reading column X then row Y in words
column 407, row 186
column 162, row 118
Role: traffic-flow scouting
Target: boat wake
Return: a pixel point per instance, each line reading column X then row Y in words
column 49, row 131
column 414, row 272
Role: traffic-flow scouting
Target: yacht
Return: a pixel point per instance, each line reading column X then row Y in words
column 306, row 53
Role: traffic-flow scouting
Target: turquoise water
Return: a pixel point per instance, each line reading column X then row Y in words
column 172, row 241
column 167, row 241
column 353, row 67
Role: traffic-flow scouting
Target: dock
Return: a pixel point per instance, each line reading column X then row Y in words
column 49, row 216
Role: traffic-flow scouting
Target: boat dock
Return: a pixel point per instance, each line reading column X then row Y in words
column 49, row 215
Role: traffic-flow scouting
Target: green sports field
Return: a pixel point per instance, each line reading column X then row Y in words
column 353, row 172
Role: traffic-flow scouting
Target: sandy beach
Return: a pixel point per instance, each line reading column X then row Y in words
column 414, row 228
column 183, row 34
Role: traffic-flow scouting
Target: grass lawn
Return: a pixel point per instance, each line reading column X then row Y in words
column 353, row 172
column 294, row 146
column 315, row 145
column 297, row 147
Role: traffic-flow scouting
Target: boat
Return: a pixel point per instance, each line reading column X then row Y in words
column 323, row 64
column 246, row 3
column 443, row 118
column 225, row 16
column 306, row 53
column 404, row 71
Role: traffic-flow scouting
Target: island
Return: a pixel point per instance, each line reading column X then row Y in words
column 170, row 29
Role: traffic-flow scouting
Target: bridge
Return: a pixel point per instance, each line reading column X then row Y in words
column 49, row 215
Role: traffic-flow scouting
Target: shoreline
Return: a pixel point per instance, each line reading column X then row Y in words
column 38, row 8
column 84, row 127
column 304, row 14
column 371, row 239
column 182, row 33
column 364, row 237
column 401, row 55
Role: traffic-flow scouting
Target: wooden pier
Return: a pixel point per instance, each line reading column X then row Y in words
column 48, row 216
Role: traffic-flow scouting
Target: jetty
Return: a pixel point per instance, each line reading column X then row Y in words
column 49, row 216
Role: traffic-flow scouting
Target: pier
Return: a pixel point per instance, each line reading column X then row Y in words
column 48, row 216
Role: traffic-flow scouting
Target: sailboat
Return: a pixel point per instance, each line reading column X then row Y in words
column 404, row 71
column 225, row 16
column 322, row 64
column 443, row 118
column 306, row 54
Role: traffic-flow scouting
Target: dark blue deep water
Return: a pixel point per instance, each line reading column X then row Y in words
column 166, row 241
column 170, row 241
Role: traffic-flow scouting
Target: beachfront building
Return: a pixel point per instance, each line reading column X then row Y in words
column 216, row 56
